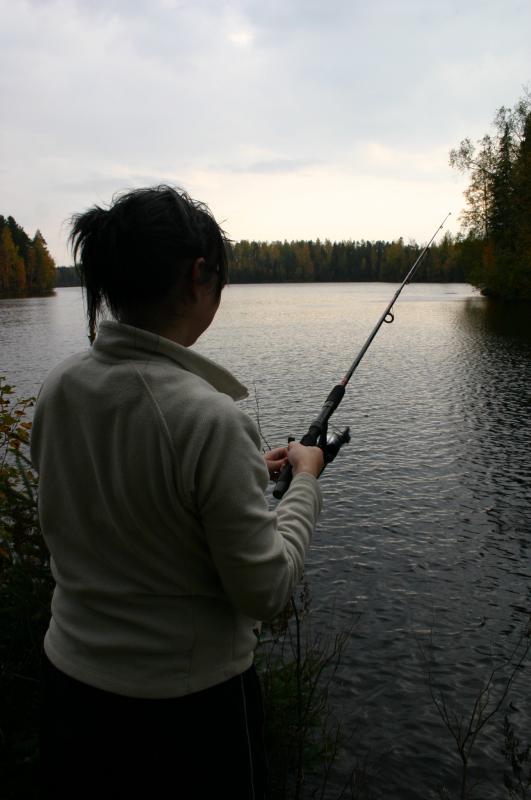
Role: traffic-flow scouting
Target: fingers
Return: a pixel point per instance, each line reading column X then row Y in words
column 275, row 461
column 276, row 454
column 305, row 459
column 301, row 458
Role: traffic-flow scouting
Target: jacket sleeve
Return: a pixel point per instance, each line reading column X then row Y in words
column 259, row 553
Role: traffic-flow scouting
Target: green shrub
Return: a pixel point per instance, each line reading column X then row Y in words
column 25, row 592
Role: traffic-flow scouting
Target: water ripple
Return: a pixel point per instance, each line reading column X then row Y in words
column 422, row 550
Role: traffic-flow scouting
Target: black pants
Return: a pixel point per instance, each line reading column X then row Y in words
column 104, row 746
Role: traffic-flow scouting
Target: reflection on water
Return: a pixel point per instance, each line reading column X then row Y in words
column 508, row 321
column 424, row 543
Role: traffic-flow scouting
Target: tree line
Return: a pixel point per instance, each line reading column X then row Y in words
column 497, row 217
column 308, row 261
column 29, row 268
column 26, row 266
column 314, row 261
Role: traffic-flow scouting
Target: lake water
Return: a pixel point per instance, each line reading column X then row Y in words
column 422, row 551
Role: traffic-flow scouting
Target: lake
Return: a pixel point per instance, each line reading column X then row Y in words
column 423, row 549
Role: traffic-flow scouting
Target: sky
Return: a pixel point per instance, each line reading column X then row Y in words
column 291, row 119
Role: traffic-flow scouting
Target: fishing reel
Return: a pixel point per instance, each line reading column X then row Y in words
column 333, row 444
column 330, row 443
column 318, row 436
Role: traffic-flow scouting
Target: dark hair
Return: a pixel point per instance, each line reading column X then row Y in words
column 140, row 250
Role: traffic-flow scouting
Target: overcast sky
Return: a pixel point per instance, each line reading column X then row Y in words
column 292, row 120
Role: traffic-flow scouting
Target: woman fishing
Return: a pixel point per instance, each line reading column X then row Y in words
column 152, row 503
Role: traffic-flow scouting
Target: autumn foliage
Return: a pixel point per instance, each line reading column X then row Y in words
column 26, row 266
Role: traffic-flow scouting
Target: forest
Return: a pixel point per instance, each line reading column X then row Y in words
column 307, row 261
column 26, row 266
column 261, row 262
column 497, row 217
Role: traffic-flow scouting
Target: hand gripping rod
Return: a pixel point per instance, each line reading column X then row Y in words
column 317, row 431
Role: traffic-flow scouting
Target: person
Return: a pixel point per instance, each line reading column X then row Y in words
column 164, row 551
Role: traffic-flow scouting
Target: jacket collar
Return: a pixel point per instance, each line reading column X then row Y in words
column 117, row 340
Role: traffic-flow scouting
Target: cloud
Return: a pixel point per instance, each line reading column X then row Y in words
column 379, row 159
column 277, row 166
column 326, row 202
column 107, row 185
column 100, row 95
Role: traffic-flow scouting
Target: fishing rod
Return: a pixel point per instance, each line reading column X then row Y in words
column 318, row 431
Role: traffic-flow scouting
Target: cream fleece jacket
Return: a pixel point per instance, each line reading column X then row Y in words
column 151, row 501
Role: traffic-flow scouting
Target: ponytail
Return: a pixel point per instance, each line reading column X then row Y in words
column 87, row 237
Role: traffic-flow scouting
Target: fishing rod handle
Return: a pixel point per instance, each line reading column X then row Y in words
column 311, row 438
column 286, row 473
column 283, row 482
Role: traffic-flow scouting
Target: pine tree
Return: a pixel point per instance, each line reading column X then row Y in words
column 12, row 268
column 501, row 210
column 522, row 191
column 42, row 265
column 20, row 237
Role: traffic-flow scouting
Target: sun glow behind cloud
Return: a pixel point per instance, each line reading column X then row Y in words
column 243, row 38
